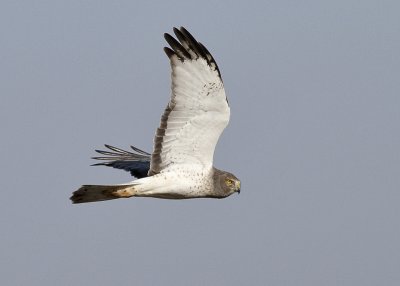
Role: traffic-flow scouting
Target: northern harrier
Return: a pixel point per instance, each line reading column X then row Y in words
column 181, row 165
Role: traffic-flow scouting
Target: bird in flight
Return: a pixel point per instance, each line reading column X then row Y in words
column 181, row 165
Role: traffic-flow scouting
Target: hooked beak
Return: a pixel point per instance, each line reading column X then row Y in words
column 238, row 187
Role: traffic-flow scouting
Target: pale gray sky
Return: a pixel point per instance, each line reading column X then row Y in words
column 314, row 91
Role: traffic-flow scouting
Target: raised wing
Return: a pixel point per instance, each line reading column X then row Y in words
column 137, row 162
column 198, row 110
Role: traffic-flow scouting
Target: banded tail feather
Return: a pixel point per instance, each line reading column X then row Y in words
column 96, row 193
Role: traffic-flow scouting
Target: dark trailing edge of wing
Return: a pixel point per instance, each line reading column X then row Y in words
column 137, row 162
column 187, row 48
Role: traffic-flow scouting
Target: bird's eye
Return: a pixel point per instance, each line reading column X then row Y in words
column 229, row 182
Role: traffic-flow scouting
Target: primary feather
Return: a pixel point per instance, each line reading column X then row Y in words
column 137, row 162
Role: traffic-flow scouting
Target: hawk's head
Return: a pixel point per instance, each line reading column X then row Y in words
column 225, row 183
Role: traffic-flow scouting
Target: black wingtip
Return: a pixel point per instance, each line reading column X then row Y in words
column 179, row 50
column 136, row 162
column 170, row 53
column 188, row 48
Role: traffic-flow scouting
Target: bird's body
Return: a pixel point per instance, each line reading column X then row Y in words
column 180, row 166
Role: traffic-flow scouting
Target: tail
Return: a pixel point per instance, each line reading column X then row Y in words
column 96, row 193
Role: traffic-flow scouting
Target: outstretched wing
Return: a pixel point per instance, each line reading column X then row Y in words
column 198, row 110
column 137, row 162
